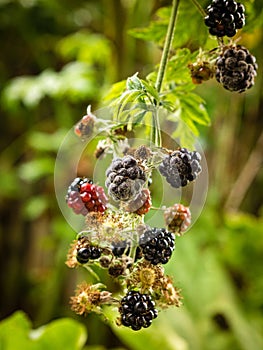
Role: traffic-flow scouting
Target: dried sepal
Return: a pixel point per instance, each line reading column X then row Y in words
column 89, row 298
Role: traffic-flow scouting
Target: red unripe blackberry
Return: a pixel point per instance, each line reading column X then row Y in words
column 141, row 204
column 137, row 310
column 181, row 167
column 157, row 245
column 236, row 68
column 83, row 197
column 177, row 218
column 125, row 178
column 224, row 17
column 84, row 254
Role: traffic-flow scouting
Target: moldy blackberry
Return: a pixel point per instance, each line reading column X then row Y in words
column 224, row 17
column 180, row 167
column 137, row 310
column 125, row 178
column 157, row 245
column 83, row 197
column 236, row 68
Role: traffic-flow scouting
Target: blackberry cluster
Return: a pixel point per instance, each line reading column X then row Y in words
column 157, row 245
column 180, row 167
column 224, row 17
column 85, row 254
column 83, row 197
column 236, row 69
column 125, row 178
column 140, row 204
column 137, row 310
column 177, row 218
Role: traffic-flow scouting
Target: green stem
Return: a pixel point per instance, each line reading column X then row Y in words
column 156, row 132
column 199, row 7
column 167, row 45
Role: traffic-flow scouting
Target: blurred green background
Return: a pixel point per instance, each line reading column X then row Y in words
column 56, row 58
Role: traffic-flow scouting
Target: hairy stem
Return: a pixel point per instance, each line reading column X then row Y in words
column 199, row 7
column 167, row 45
column 156, row 132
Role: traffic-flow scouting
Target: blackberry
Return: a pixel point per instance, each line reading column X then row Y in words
column 177, row 218
column 157, row 245
column 84, row 254
column 137, row 310
column 140, row 204
column 180, row 167
column 224, row 17
column 83, row 197
column 236, row 68
column 85, row 126
column 125, row 178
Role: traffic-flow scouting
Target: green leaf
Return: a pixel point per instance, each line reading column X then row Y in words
column 14, row 333
column 134, row 83
column 115, row 91
column 65, row 333
column 193, row 108
column 185, row 33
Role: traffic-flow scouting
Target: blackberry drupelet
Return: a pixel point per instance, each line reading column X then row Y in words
column 125, row 178
column 180, row 167
column 84, row 254
column 137, row 310
column 177, row 218
column 83, row 197
column 157, row 245
column 236, row 68
column 224, row 17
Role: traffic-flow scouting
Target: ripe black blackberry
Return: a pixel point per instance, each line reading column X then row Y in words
column 180, row 167
column 137, row 310
column 83, row 197
column 224, row 17
column 125, row 178
column 157, row 245
column 84, row 254
column 236, row 68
